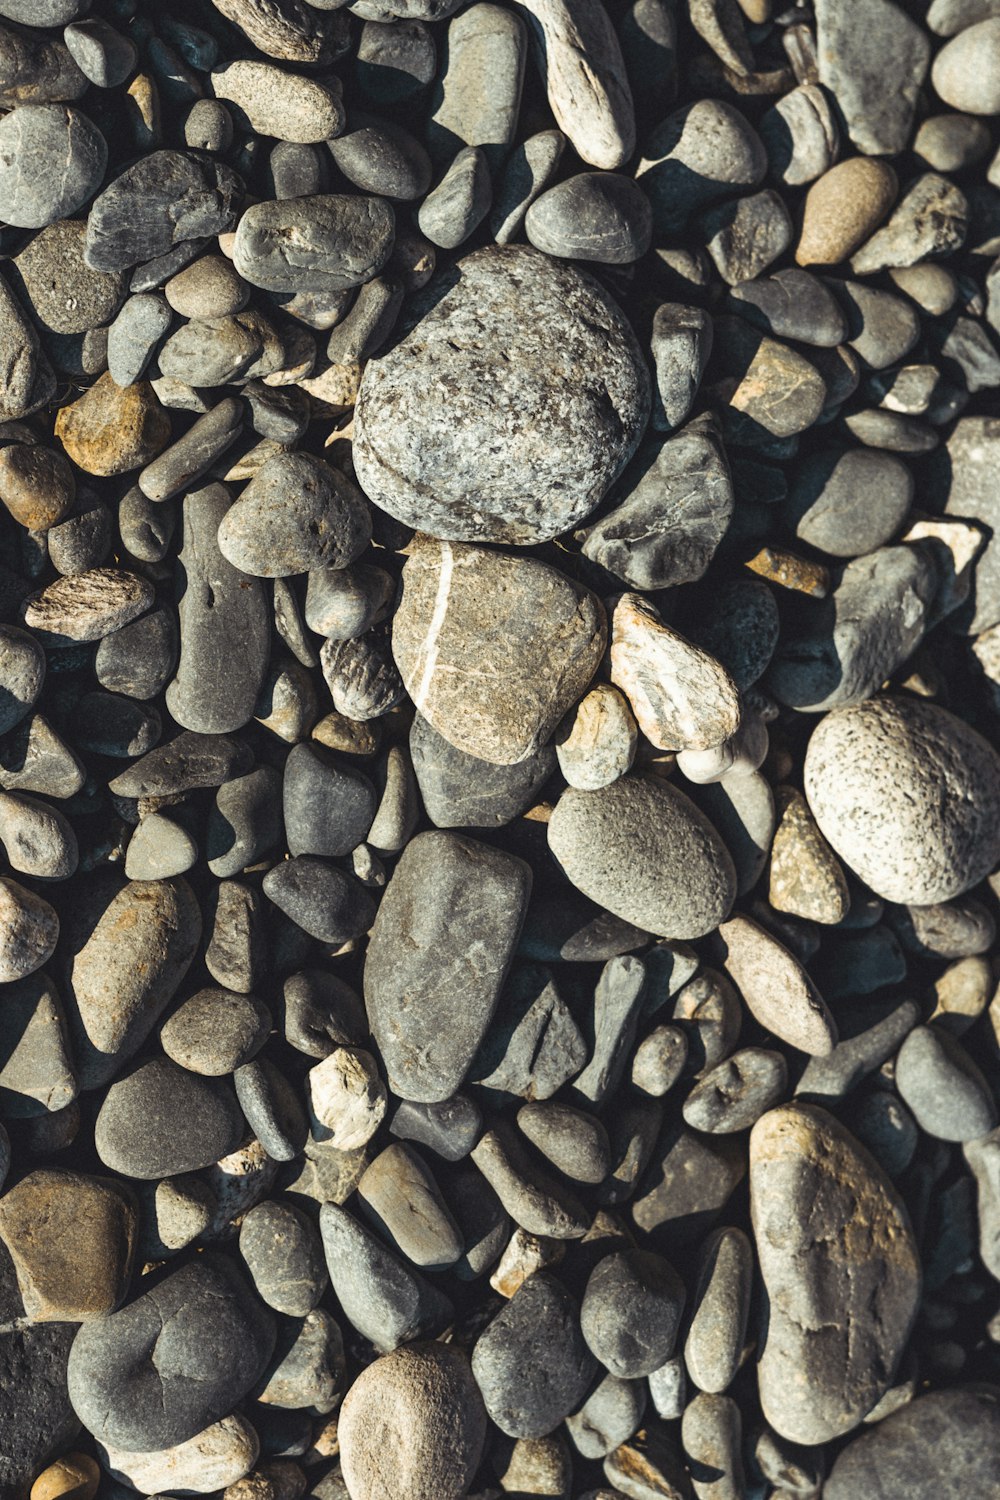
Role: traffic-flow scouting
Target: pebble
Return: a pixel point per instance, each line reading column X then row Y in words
column 572, row 1140
column 596, row 742
column 536, row 1200
column 477, row 98
column 849, row 501
column 800, row 135
column 944, row 1088
column 214, row 1032
column 209, row 287
column 75, row 1476
column 29, row 931
column 387, row 1301
column 611, row 1414
column 22, row 673
column 945, row 1439
column 70, row 147
column 631, row 1312
column 533, row 1045
column 848, row 1262
column 158, row 1119
column 297, row 513
column 38, row 761
column 874, row 65
column 613, row 845
column 36, row 1073
column 284, row 1256
column 585, row 78
column 843, row 208
column 720, row 1310
column 339, row 241
column 869, row 1035
column 28, row 378
column 745, row 236
column 38, row 839
column 529, row 169
column 347, row 1098
column 531, row 1364
column 523, row 447
column 806, row 878
column 964, row 70
column 682, row 698
column 399, row 1196
column 413, row 1423
column 277, row 102
column 776, row 988
column 675, row 505
column 103, row 55
column 328, row 807
column 219, row 607
column 110, row 431
column 712, row 1435
column 469, row 894
column 136, row 217
column 775, row 388
column 218, row 1456
column 902, row 790
column 734, row 1095
column 450, row 1128
column 311, row 1371
column 379, row 156
column 395, row 59
column 321, row 899
column 203, row 1319
column 460, row 790
column 930, row 219
column 537, row 621
column 595, row 216
column 78, row 1268
column 698, row 154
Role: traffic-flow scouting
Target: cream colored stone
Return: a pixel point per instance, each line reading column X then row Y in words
column 348, row 1097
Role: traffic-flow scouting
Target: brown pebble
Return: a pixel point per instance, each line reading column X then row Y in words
column 75, row 1476
column 36, row 485
column 791, row 572
column 843, row 207
column 350, row 736
column 112, row 430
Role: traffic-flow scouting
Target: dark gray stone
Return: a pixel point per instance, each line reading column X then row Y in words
column 387, row 1301
column 533, row 1046
column 323, row 244
column 944, row 1088
column 478, row 95
column 273, row 1109
column 597, row 216
column 848, row 501
column 680, row 342
column 158, row 1119
column 139, row 659
column 164, row 198
column 37, row 1422
column 535, row 1198
column 179, row 466
column 531, row 1363
column 450, row 1128
column 529, row 169
column 942, row 1446
column 379, row 156
column 568, row 427
column 618, row 1004
column 873, row 61
column 36, row 69
column 609, row 1416
column 103, row 55
column 745, row 235
column 688, row 1183
column 791, row 304
column 134, row 335
column 188, row 762
column 22, row 673
column 284, row 1255
column 459, row 202
column 574, row 1141
column 305, row 1375
column 244, row 823
column 631, row 1312
column 343, row 603
column 328, row 806
column 146, row 529
column 395, row 59
column 562, row 926
column 453, row 905
column 27, row 380
column 319, row 898
column 705, row 151
column 675, row 505
column 211, row 1338
column 735, row 1093
column 214, row 1032
column 322, row 1013
column 720, row 1309
column 369, row 323
column 52, row 159
column 362, row 676
column 84, row 540
column 462, row 791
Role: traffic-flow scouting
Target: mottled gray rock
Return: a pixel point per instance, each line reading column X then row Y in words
column 212, row 1339
column 944, row 1088
column 609, row 1416
column 159, row 1119
column 967, row 472
column 450, row 1129
column 284, row 1256
column 134, row 335
column 588, row 88
column 680, row 342
column 289, row 30
column 185, row 764
column 470, row 619
column 689, row 1180
column 52, row 158
column 328, row 807
column 103, row 55
column 675, row 505
column 244, row 822
column 941, row 1446
column 631, row 1312
column 36, row 1070
column 214, row 1031
column 531, row 1364
column 177, row 468
column 384, row 1299
column 379, row 156
column 841, row 1270
column 452, row 906
column 857, row 637
column 35, row 759
column 734, row 1095
column 27, row 380
column 278, row 102
column 160, row 201
column 321, row 899
column 612, row 844
column 544, row 407
column 873, row 62
column 327, row 243
column 308, row 1368
column 744, row 236
column 533, row 1046
column 930, row 219
column 298, row 512
column 906, row 794
column 461, row 791
column 22, row 673
column 571, row 1139
column 598, row 216
column 224, row 626
column 848, row 501
column 801, row 136
column 478, row 94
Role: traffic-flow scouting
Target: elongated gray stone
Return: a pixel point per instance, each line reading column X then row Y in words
column 326, row 243
column 443, row 938
column 478, row 94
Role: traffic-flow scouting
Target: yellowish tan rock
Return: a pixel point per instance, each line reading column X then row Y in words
column 75, row 1476
column 806, row 877
column 111, row 429
column 843, row 207
column 776, row 988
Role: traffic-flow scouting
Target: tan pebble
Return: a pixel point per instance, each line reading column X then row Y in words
column 142, row 111
column 75, row 1476
column 806, row 876
column 776, row 988
column 112, row 430
column 525, row 1254
column 351, row 736
column 962, row 993
column 843, row 207
column 36, row 485
column 791, row 572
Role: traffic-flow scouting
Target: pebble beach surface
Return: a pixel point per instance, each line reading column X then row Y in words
column 499, row 773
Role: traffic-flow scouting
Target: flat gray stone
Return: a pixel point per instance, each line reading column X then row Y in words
column 160, row 201
column 531, row 1364
column 873, row 61
column 327, row 243
column 52, row 159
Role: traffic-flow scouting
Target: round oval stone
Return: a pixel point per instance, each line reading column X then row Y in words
column 908, row 795
column 508, row 409
column 641, row 849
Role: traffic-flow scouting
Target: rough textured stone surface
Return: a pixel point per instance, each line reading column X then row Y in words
column 212, row 1339
column 547, row 396
column 531, row 1364
column 443, row 939
column 906, row 794
column 873, row 61
column 297, row 513
column 218, row 1456
column 460, row 790
column 412, row 1424
column 641, row 849
column 66, row 142
column 493, row 650
column 942, row 1446
column 110, row 431
column 37, row 1421
column 326, row 244
column 776, row 987
column 841, row 1270
column 71, row 1239
column 155, row 204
